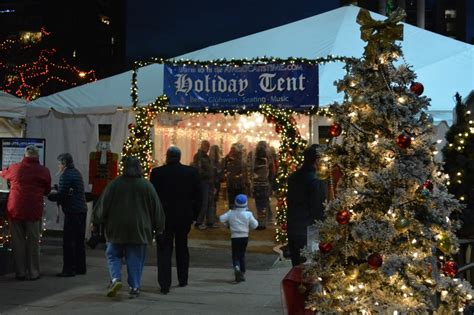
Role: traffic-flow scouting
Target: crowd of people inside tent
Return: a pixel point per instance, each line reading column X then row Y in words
column 253, row 174
column 135, row 211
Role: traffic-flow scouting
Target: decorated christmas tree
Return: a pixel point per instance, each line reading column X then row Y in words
column 459, row 162
column 29, row 68
column 387, row 242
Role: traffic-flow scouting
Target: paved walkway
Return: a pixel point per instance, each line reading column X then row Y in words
column 211, row 289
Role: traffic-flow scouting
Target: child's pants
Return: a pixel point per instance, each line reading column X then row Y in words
column 239, row 247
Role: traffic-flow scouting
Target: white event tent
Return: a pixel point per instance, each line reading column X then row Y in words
column 12, row 111
column 68, row 120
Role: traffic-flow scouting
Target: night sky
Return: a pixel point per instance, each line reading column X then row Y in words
column 171, row 28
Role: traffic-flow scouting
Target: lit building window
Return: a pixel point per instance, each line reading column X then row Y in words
column 30, row 37
column 450, row 14
column 105, row 20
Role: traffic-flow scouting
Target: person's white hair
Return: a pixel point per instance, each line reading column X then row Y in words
column 31, row 151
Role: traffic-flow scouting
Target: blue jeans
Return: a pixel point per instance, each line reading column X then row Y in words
column 135, row 256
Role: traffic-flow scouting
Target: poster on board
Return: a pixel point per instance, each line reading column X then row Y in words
column 12, row 151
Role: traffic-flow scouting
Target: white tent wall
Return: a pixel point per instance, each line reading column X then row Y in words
column 12, row 106
column 10, row 128
column 77, row 135
column 12, row 111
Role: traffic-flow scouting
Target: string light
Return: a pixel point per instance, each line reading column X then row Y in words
column 37, row 77
column 459, row 139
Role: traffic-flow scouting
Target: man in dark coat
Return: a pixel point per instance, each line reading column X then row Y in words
column 306, row 195
column 178, row 187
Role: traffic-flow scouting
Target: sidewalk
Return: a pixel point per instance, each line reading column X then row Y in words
column 211, row 289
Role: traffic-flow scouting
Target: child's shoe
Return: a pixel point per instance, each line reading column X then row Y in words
column 239, row 276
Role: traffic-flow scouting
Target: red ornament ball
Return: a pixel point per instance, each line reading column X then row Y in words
column 270, row 119
column 450, row 268
column 278, row 128
column 325, row 247
column 335, row 130
column 131, row 125
column 283, row 227
column 281, row 203
column 343, row 217
column 417, row 88
column 403, row 141
column 428, row 184
column 375, row 261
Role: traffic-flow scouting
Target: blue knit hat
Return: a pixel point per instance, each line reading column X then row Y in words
column 241, row 201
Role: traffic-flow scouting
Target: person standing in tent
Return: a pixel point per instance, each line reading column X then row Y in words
column 216, row 165
column 305, row 198
column 29, row 183
column 235, row 170
column 178, row 187
column 274, row 156
column 202, row 162
column 262, row 174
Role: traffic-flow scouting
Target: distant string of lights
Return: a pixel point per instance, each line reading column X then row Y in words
column 29, row 80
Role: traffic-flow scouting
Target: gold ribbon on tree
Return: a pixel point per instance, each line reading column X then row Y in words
column 380, row 35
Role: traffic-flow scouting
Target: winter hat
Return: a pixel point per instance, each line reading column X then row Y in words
column 241, row 201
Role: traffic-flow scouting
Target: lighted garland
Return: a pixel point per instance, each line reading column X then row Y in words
column 289, row 158
column 5, row 237
column 139, row 142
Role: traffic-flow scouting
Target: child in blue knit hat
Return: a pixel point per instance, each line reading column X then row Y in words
column 240, row 220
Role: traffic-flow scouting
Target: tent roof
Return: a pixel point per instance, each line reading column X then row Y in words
column 443, row 65
column 11, row 106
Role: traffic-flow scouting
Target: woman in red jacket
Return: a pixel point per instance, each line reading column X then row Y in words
column 29, row 183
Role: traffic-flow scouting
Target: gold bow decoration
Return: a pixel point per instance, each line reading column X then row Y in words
column 380, row 35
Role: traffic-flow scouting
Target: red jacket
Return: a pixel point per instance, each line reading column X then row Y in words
column 29, row 182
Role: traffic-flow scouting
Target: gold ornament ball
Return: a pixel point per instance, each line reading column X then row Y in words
column 302, row 289
column 352, row 272
column 402, row 225
column 358, row 100
column 323, row 172
column 331, row 260
column 445, row 245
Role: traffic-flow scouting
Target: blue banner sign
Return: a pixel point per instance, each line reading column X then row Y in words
column 244, row 87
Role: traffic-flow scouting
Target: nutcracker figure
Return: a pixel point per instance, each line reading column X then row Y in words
column 103, row 166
